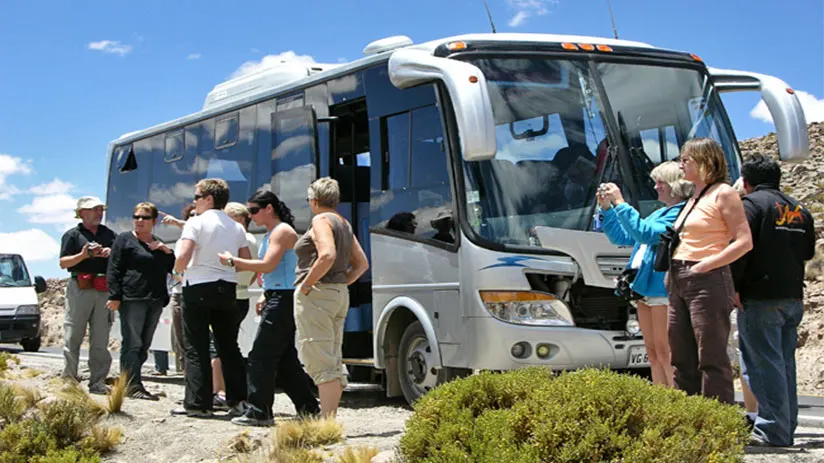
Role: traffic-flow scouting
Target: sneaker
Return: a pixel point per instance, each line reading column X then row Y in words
column 99, row 389
column 239, row 409
column 219, row 402
column 193, row 413
column 249, row 419
column 157, row 373
column 143, row 394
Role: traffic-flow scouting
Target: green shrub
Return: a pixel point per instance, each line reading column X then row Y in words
column 532, row 415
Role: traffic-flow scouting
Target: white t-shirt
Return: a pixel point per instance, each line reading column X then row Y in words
column 244, row 277
column 213, row 232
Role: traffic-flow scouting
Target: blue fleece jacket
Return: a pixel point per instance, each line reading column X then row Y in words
column 624, row 226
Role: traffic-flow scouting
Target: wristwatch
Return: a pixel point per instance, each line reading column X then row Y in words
column 231, row 262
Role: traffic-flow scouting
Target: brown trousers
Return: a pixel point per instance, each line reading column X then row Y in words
column 699, row 327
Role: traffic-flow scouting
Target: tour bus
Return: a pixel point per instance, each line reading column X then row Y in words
column 468, row 168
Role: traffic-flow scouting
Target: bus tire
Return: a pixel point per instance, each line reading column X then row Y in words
column 416, row 374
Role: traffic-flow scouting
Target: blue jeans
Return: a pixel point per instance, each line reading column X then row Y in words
column 161, row 359
column 768, row 334
column 138, row 321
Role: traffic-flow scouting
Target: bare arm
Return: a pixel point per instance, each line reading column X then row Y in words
column 358, row 263
column 324, row 240
column 280, row 240
column 187, row 249
column 732, row 210
column 74, row 259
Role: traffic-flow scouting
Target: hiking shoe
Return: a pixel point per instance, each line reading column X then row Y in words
column 143, row 394
column 250, row 419
column 193, row 413
column 98, row 388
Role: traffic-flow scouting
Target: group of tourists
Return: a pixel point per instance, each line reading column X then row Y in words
column 305, row 293
column 727, row 250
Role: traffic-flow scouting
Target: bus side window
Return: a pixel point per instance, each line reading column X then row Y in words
column 294, row 160
column 417, row 197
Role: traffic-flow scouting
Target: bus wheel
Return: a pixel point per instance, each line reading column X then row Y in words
column 416, row 373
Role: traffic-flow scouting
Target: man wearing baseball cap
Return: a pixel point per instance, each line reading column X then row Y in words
column 84, row 252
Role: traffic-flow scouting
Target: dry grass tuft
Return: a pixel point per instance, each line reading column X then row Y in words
column 358, row 455
column 12, row 408
column 307, row 433
column 295, row 455
column 102, row 440
column 115, row 396
column 28, row 396
column 29, row 373
column 75, row 393
column 243, row 443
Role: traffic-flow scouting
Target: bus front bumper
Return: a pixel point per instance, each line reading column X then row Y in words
column 496, row 345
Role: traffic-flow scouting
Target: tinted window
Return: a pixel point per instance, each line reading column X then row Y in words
column 173, row 184
column 226, row 132
column 424, row 207
column 174, row 146
column 127, row 187
column 293, row 160
column 396, row 159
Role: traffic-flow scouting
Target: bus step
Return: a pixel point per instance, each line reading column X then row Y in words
column 360, row 362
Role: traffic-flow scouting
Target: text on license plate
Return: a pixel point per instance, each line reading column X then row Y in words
column 638, row 356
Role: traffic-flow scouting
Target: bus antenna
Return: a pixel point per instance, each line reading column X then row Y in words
column 489, row 14
column 611, row 17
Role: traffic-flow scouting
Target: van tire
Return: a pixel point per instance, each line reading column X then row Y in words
column 31, row 345
column 416, row 374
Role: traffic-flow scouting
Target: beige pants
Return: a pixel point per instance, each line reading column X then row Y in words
column 319, row 317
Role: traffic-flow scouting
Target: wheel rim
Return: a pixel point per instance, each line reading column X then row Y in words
column 418, row 373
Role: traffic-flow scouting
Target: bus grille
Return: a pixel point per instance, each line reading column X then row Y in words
column 598, row 308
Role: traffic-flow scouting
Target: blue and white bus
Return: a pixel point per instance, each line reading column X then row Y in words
column 468, row 168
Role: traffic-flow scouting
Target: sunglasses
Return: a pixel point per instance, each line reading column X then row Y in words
column 142, row 217
column 254, row 210
column 199, row 197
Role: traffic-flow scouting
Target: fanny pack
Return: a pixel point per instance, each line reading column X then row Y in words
column 92, row 281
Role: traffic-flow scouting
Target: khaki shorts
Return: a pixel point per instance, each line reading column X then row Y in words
column 319, row 317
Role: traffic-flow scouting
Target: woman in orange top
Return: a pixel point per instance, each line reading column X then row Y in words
column 715, row 233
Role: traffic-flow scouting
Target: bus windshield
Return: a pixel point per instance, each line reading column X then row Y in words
column 13, row 272
column 553, row 147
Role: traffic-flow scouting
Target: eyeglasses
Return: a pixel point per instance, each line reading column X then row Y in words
column 254, row 210
column 193, row 214
column 142, row 217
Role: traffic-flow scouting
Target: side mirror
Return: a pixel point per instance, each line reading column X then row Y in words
column 781, row 100
column 467, row 89
column 39, row 284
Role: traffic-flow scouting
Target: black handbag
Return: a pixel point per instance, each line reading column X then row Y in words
column 670, row 239
column 622, row 285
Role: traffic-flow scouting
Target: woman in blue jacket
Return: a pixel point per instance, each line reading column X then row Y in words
column 624, row 226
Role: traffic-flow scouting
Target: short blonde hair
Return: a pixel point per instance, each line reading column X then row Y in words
column 146, row 205
column 234, row 209
column 326, row 191
column 217, row 188
column 670, row 173
column 709, row 157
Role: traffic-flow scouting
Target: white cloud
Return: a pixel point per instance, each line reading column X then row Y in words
column 10, row 165
column 813, row 108
column 33, row 244
column 53, row 209
column 54, row 187
column 179, row 193
column 194, row 56
column 525, row 9
column 111, row 46
column 270, row 61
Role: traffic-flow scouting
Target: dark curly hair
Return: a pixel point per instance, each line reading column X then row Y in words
column 265, row 198
column 759, row 169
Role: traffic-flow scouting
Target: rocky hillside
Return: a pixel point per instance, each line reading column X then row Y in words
column 805, row 181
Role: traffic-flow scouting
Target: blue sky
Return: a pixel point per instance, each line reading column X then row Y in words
column 76, row 75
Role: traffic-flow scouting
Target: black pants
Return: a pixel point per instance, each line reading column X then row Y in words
column 241, row 311
column 211, row 304
column 274, row 359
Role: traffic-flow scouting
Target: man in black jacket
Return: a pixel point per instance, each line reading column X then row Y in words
column 769, row 281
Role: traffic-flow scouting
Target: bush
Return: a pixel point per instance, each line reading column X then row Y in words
column 591, row 415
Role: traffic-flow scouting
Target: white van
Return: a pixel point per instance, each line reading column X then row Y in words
column 19, row 310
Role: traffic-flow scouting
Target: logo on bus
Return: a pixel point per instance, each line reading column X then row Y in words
column 512, row 261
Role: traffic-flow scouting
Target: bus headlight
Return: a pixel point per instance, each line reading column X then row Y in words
column 27, row 310
column 527, row 308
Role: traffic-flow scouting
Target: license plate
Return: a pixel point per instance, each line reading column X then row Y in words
column 638, row 356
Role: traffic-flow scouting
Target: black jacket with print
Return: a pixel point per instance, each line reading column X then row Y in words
column 783, row 236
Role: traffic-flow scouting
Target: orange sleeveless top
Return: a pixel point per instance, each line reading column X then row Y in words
column 705, row 232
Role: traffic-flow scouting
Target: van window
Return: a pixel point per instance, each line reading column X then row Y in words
column 13, row 272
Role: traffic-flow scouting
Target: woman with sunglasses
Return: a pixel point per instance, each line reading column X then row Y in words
column 138, row 267
column 273, row 358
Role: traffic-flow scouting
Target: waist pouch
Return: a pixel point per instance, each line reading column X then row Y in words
column 92, row 281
